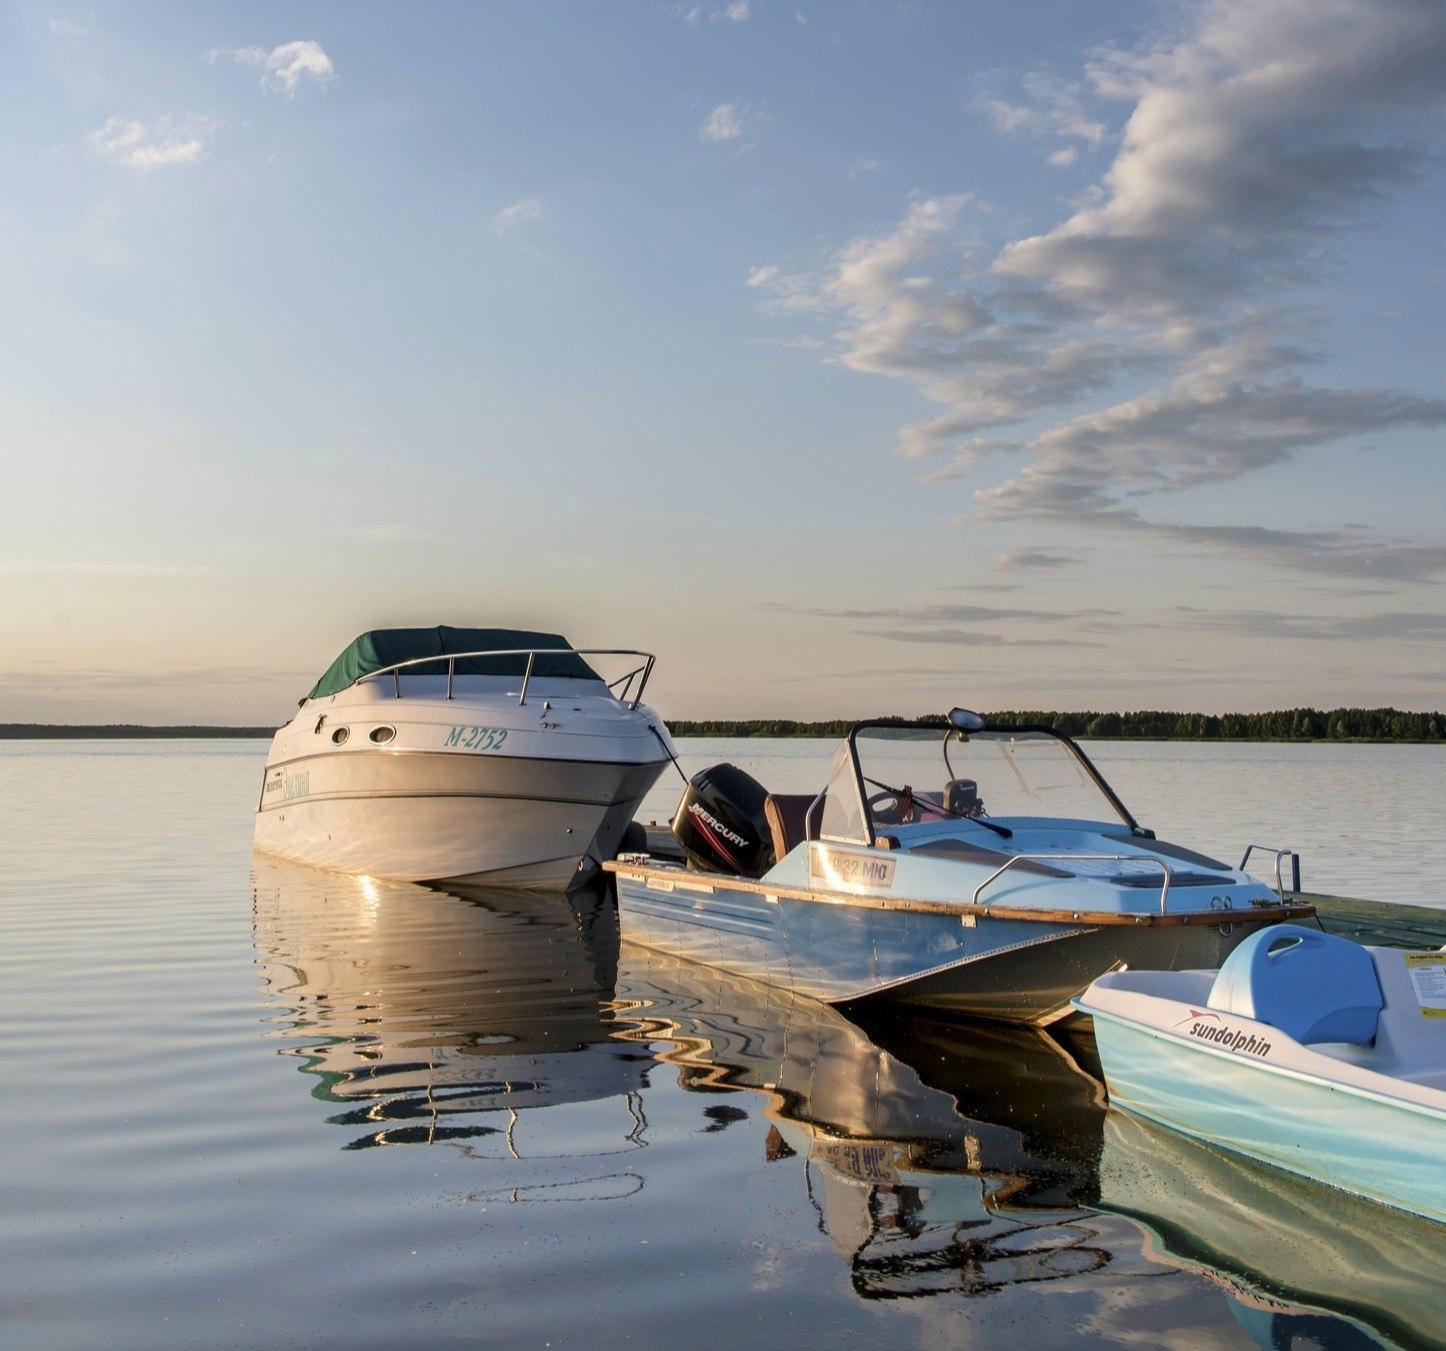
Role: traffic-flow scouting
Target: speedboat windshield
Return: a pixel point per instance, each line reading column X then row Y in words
column 886, row 775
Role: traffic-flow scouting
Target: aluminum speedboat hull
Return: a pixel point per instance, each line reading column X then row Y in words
column 872, row 891
column 947, row 955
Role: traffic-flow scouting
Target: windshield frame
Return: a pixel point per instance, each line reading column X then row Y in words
column 949, row 731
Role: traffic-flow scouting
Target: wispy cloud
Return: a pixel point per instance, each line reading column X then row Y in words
column 1250, row 140
column 1395, row 626
column 728, row 122
column 974, row 638
column 732, row 11
column 1045, row 107
column 41, row 567
column 157, row 145
column 284, row 69
column 943, row 613
column 67, row 28
column 521, row 212
column 1017, row 560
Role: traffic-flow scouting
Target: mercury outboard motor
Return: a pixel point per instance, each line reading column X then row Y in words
column 720, row 823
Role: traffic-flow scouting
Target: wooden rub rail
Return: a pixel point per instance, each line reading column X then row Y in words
column 682, row 880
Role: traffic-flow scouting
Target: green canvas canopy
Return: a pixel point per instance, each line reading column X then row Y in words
column 380, row 648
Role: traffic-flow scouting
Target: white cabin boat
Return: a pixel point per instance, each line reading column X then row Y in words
column 444, row 753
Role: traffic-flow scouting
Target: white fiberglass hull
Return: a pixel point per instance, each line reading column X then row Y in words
column 506, row 820
column 460, row 790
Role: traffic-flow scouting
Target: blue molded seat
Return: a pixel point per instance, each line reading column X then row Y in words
column 1313, row 986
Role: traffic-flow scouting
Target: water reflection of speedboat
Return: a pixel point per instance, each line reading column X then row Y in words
column 940, row 1162
column 1001, row 888
column 441, row 753
column 1291, row 1253
column 432, row 1016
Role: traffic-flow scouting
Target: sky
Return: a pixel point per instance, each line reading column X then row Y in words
column 851, row 357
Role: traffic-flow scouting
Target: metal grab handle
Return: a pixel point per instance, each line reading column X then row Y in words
column 1093, row 858
column 1279, row 854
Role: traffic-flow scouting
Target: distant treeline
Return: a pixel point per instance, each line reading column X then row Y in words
column 49, row 731
column 1291, row 724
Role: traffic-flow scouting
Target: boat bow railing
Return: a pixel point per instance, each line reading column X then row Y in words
column 1058, row 858
column 1280, row 856
column 627, row 695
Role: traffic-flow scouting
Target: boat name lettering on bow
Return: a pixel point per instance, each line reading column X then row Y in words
column 296, row 785
column 476, row 738
column 1210, row 1027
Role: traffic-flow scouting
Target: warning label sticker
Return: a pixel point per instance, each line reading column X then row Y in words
column 1428, row 978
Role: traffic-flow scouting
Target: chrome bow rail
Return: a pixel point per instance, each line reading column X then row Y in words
column 1279, row 855
column 1059, row 859
column 640, row 673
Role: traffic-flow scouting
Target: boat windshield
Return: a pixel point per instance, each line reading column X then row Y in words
column 887, row 775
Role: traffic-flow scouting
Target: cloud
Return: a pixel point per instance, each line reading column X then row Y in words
column 1155, row 341
column 727, row 122
column 734, row 11
column 1014, row 560
column 1047, row 107
column 521, row 212
column 67, row 28
column 162, row 144
column 35, row 567
column 935, row 613
column 1393, row 626
column 761, row 276
column 973, row 638
column 284, row 68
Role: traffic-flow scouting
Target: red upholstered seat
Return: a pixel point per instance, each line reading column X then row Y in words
column 785, row 814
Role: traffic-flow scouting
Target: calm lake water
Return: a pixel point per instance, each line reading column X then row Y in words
column 254, row 1105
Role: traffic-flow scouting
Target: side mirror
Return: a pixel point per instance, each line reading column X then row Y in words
column 965, row 720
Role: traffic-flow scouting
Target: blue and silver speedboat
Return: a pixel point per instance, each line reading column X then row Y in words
column 966, row 869
column 1313, row 1053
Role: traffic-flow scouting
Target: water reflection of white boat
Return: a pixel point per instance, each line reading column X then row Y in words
column 433, row 1016
column 1293, row 1254
column 920, row 1195
column 440, row 753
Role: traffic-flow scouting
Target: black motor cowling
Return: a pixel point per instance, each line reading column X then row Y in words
column 720, row 823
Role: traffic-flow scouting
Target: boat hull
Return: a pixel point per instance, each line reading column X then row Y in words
column 945, row 959
column 1368, row 1145
column 426, row 816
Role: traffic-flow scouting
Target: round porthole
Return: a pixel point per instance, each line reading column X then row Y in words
column 382, row 735
column 339, row 736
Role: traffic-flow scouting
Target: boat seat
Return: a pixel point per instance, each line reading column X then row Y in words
column 1313, row 986
column 787, row 817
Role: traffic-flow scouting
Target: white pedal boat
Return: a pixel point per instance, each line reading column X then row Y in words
column 462, row 754
column 1308, row 1051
